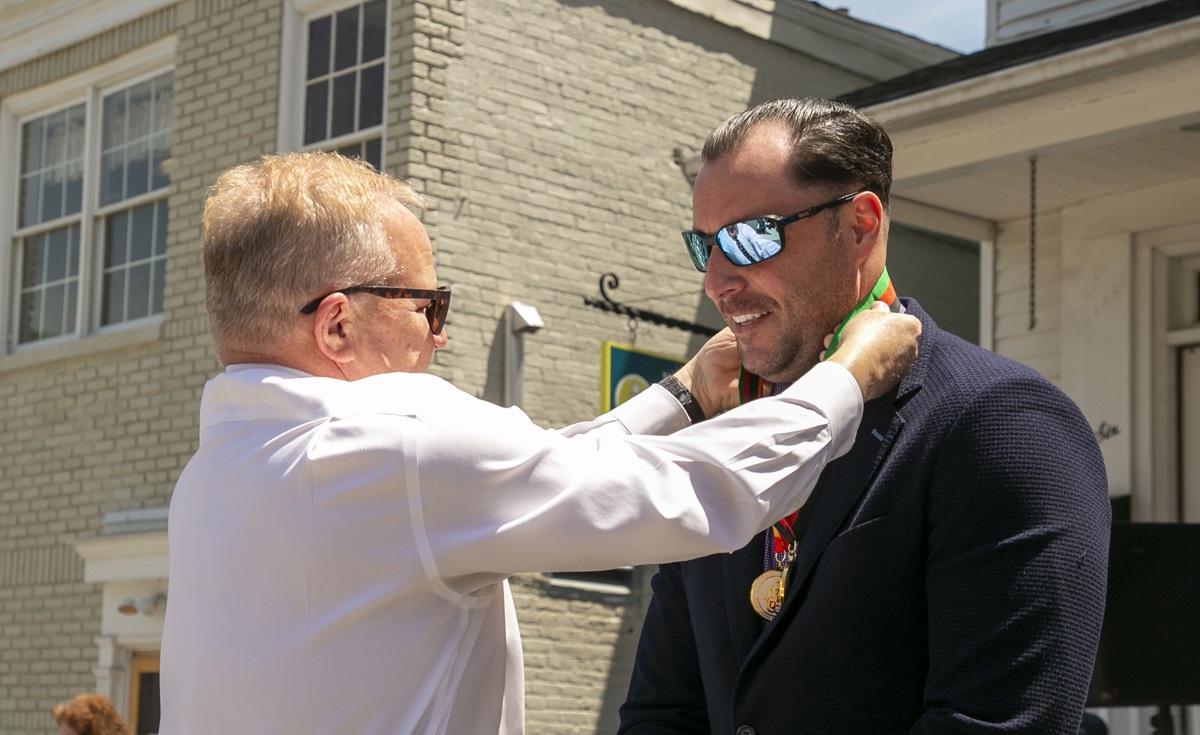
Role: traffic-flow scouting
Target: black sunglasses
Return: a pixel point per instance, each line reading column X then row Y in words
column 435, row 310
column 751, row 241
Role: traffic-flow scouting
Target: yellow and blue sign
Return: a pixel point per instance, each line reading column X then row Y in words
column 626, row 371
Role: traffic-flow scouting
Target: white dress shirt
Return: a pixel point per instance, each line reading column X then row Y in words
column 339, row 550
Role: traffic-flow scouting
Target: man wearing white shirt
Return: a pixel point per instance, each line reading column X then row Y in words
column 340, row 542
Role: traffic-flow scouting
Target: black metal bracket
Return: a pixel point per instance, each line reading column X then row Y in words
column 606, row 303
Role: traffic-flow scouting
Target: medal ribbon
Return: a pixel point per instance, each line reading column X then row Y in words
column 782, row 547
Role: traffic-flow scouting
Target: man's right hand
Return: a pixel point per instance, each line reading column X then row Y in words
column 878, row 348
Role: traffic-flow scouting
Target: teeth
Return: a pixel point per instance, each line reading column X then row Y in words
column 743, row 318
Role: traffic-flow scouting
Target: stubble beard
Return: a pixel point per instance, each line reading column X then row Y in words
column 787, row 359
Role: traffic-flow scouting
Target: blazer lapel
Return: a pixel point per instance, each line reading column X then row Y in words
column 841, row 485
column 843, row 482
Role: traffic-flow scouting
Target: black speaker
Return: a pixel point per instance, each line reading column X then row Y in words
column 1150, row 643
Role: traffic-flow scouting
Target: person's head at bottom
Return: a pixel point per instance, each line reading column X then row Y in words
column 88, row 714
column 318, row 262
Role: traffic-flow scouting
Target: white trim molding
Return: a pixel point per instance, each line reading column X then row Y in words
column 32, row 28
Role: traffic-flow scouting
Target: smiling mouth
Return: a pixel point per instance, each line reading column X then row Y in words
column 741, row 319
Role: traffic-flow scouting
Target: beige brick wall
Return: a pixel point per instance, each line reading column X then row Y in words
column 543, row 133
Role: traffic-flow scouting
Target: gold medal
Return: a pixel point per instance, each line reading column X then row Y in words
column 766, row 594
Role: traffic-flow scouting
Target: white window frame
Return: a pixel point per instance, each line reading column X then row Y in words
column 89, row 87
column 293, row 77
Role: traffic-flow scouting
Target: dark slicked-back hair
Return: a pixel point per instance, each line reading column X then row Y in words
column 834, row 146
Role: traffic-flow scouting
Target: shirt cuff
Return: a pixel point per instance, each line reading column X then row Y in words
column 653, row 411
column 832, row 390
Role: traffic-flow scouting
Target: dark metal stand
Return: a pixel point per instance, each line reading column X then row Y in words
column 1163, row 723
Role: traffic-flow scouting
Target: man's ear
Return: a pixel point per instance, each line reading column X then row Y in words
column 867, row 211
column 334, row 329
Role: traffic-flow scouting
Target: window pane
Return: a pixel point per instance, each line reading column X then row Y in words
column 316, row 110
column 138, row 304
column 371, row 99
column 52, row 196
column 133, row 284
column 160, row 151
column 54, row 311
column 51, row 166
column 141, row 233
column 318, row 46
column 137, row 173
column 31, row 187
column 345, row 48
column 58, row 251
column 343, row 105
column 116, row 236
column 112, row 176
column 73, row 196
column 49, row 284
column 157, row 282
column 112, row 311
column 132, row 120
column 113, row 131
column 33, row 261
column 164, row 102
column 160, row 228
column 32, row 144
column 139, row 109
column 75, row 138
column 374, row 29
column 31, row 316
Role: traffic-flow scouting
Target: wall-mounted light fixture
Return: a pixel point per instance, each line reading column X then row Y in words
column 146, row 606
column 520, row 319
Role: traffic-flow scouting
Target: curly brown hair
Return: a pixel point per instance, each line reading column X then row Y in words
column 90, row 714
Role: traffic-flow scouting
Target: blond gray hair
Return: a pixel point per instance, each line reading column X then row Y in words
column 290, row 227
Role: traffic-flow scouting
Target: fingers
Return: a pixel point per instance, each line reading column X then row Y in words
column 878, row 348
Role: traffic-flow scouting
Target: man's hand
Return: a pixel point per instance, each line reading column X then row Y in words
column 712, row 375
column 878, row 347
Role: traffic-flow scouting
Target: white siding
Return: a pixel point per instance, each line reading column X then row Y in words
column 1009, row 20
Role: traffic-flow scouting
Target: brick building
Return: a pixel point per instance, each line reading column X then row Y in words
column 552, row 138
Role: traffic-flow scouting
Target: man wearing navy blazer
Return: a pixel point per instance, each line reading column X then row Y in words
column 949, row 574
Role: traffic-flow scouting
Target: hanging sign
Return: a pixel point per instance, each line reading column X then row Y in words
column 626, row 371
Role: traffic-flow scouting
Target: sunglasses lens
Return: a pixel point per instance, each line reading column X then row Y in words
column 744, row 243
column 698, row 249
column 752, row 241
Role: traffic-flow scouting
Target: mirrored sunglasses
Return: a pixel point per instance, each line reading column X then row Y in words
column 751, row 241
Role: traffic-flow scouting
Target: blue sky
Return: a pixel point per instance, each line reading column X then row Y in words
column 955, row 24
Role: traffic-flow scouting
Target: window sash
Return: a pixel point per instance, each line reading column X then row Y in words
column 82, row 170
column 344, row 85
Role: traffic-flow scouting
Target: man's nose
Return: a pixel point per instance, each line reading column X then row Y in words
column 440, row 339
column 722, row 278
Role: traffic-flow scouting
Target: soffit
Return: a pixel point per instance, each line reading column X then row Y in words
column 1095, row 134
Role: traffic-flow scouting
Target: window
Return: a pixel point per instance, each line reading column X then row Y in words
column 89, row 244
column 344, row 60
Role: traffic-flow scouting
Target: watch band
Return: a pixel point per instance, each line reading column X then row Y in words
column 685, row 398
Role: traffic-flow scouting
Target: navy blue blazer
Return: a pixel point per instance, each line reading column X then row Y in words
column 950, row 577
